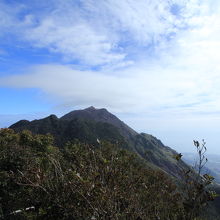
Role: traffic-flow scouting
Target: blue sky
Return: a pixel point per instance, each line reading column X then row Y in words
column 153, row 63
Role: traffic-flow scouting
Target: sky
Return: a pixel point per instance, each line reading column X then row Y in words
column 153, row 63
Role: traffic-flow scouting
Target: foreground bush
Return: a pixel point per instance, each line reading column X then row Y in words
column 40, row 181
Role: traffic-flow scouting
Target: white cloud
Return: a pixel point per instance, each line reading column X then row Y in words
column 145, row 20
column 168, row 58
column 182, row 77
column 154, row 91
column 93, row 32
column 76, row 42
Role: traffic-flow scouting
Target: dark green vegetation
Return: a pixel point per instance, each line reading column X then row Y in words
column 80, row 182
column 92, row 175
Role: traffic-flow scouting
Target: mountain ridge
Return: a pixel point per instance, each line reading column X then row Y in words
column 90, row 124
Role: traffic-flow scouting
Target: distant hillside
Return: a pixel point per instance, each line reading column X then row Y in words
column 84, row 130
column 91, row 124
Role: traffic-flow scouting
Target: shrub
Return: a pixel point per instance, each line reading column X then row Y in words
column 196, row 191
column 39, row 181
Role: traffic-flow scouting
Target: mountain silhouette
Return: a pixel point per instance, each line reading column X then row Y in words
column 91, row 125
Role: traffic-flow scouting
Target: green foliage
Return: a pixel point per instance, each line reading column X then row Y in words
column 87, row 131
column 82, row 181
column 21, row 157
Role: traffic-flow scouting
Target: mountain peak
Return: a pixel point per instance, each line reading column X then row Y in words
column 90, row 113
column 100, row 115
column 91, row 108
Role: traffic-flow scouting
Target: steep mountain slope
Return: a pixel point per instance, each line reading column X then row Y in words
column 91, row 124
